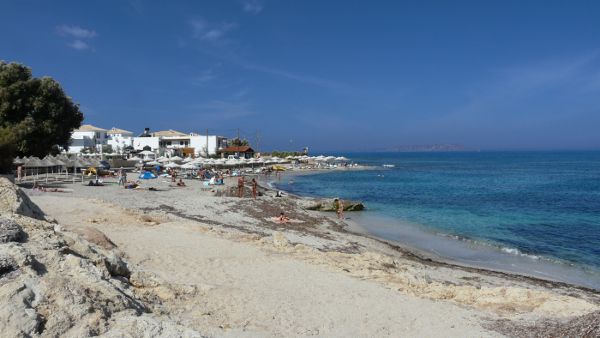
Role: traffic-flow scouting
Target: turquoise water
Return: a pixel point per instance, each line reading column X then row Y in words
column 543, row 205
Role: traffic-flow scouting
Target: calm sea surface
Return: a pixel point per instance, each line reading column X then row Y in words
column 539, row 206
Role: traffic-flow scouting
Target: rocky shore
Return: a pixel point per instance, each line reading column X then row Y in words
column 191, row 262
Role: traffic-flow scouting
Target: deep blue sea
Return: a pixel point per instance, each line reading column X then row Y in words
column 537, row 206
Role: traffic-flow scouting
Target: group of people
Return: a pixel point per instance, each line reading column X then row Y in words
column 241, row 184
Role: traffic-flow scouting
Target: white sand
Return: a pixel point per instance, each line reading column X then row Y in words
column 230, row 272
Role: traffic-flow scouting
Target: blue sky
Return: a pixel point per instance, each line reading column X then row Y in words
column 331, row 75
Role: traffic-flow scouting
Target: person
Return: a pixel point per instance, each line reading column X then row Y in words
column 254, row 187
column 173, row 176
column 340, row 209
column 181, row 183
column 241, row 187
column 19, row 173
column 282, row 219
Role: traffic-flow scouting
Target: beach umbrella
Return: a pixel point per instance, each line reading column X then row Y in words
column 18, row 160
column 146, row 175
column 172, row 165
column 341, row 158
column 176, row 158
column 135, row 158
column 188, row 159
column 146, row 152
column 163, row 159
column 153, row 163
column 189, row 166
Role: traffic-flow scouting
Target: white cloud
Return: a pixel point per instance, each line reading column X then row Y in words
column 206, row 76
column 78, row 45
column 252, row 6
column 204, row 30
column 76, row 32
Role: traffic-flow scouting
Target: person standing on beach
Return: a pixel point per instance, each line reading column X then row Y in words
column 19, row 173
column 340, row 209
column 241, row 187
column 254, row 188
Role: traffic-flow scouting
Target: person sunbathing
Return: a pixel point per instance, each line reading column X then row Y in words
column 282, row 219
column 181, row 183
column 131, row 185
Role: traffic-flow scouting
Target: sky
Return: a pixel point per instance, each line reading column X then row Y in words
column 328, row 75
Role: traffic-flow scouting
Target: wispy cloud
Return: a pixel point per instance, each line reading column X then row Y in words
column 75, row 32
column 212, row 32
column 78, row 45
column 78, row 34
column 223, row 110
column 252, row 6
column 206, row 76
column 308, row 79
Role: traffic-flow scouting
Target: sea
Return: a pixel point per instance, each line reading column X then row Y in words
column 533, row 213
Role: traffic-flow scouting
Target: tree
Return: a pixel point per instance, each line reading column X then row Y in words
column 36, row 111
column 236, row 142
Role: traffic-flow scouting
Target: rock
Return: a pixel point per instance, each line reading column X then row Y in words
column 280, row 240
column 116, row 266
column 10, row 231
column 95, row 236
column 330, row 205
column 7, row 265
column 14, row 201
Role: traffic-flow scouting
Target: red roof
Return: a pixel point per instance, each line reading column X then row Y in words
column 238, row 149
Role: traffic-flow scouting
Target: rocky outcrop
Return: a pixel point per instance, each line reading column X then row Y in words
column 331, row 205
column 14, row 201
column 55, row 283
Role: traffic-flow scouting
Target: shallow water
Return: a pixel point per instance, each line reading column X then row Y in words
column 542, row 207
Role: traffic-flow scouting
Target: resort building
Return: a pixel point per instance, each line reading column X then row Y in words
column 87, row 137
column 119, row 139
column 166, row 142
column 238, row 152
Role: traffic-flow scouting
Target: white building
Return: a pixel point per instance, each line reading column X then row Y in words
column 201, row 143
column 146, row 141
column 118, row 139
column 87, row 136
column 173, row 142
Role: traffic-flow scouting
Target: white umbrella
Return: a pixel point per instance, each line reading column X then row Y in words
column 341, row 158
column 172, row 165
column 146, row 152
column 135, row 158
column 176, row 158
column 153, row 163
column 189, row 166
column 163, row 159
column 188, row 159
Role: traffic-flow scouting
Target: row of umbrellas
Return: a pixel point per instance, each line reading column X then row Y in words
column 56, row 161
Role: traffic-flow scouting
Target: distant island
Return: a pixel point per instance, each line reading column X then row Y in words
column 430, row 148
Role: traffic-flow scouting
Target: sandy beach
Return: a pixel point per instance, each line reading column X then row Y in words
column 223, row 266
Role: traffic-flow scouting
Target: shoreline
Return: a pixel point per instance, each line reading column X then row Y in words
column 158, row 230
column 361, row 228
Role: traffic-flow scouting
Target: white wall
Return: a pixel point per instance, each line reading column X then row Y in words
column 198, row 142
column 119, row 141
column 86, row 139
column 140, row 142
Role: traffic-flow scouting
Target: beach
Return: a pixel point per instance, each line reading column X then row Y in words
column 223, row 266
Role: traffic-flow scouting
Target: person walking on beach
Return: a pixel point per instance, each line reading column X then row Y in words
column 254, row 188
column 340, row 208
column 241, row 187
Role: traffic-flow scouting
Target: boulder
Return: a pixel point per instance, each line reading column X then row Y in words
column 10, row 231
column 14, row 201
column 330, row 205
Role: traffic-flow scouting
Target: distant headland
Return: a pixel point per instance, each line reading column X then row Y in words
column 430, row 148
